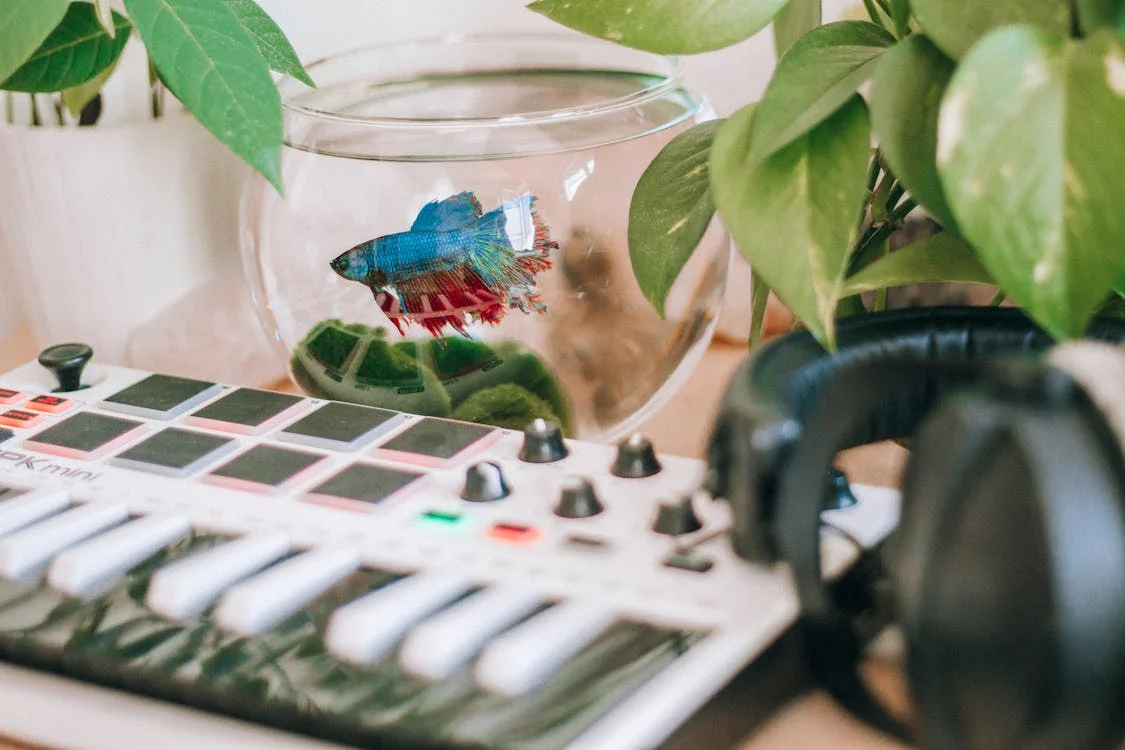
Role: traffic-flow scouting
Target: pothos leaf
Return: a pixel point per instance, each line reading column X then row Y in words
column 956, row 25
column 937, row 258
column 270, row 40
column 78, row 50
column 814, row 78
column 24, row 24
column 796, row 19
column 670, row 211
column 1030, row 153
column 211, row 64
column 794, row 215
column 909, row 83
column 672, row 27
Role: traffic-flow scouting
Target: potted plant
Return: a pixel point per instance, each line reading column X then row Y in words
column 126, row 131
column 1003, row 121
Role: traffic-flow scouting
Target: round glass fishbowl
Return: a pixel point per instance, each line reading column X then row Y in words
column 453, row 238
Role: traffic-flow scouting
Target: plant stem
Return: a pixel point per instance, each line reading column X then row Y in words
column 36, row 118
column 876, row 234
column 895, row 194
column 873, row 12
column 873, row 171
column 57, row 103
column 885, row 8
column 880, row 201
column 902, row 211
column 9, row 107
column 997, row 298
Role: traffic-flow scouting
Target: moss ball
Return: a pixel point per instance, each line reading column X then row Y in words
column 508, row 406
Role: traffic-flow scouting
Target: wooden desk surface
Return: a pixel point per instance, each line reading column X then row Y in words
column 681, row 427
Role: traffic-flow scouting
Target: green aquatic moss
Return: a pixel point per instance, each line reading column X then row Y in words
column 385, row 376
column 455, row 356
column 508, row 406
column 386, row 365
column 435, row 377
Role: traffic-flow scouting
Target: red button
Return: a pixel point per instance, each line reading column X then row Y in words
column 49, row 404
column 8, row 396
column 17, row 418
column 512, row 532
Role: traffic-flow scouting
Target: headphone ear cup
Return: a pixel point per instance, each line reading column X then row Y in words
column 1013, row 623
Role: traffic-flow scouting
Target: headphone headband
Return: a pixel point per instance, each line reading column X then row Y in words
column 768, row 399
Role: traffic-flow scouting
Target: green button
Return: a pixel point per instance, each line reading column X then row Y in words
column 441, row 519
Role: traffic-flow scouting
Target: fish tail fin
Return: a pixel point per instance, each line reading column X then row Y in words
column 511, row 244
column 528, row 233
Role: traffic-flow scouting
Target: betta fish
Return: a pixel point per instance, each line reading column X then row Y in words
column 455, row 262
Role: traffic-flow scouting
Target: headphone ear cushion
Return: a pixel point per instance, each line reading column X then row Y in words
column 1013, row 623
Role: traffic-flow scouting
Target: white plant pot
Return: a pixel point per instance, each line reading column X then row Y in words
column 105, row 226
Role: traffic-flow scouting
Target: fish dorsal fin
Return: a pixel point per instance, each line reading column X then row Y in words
column 456, row 212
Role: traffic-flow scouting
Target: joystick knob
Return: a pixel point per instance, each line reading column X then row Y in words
column 67, row 361
column 484, row 483
column 635, row 458
column 676, row 517
column 543, row 443
column 578, row 500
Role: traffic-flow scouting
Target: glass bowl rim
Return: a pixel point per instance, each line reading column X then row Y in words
column 666, row 81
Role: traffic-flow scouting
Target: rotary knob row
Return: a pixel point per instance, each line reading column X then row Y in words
column 485, row 483
column 543, row 443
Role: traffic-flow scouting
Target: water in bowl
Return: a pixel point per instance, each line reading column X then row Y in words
column 363, row 159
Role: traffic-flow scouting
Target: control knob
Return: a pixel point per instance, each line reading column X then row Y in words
column 578, row 500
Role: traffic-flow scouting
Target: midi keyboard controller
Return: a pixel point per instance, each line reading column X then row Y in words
column 192, row 564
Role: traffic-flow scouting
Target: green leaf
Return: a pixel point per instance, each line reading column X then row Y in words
column 796, row 19
column 794, row 215
column 270, row 40
column 907, row 91
column 1030, row 154
column 211, row 64
column 75, row 52
column 1095, row 14
column 956, row 25
column 105, row 16
column 759, row 299
column 670, row 211
column 24, row 24
column 75, row 99
column 938, row 258
column 671, row 27
column 819, row 73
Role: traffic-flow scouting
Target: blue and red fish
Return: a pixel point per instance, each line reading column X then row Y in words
column 455, row 263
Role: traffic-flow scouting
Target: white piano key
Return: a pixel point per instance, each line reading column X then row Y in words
column 30, row 507
column 364, row 630
column 525, row 656
column 259, row 603
column 439, row 646
column 185, row 588
column 33, row 547
column 87, row 566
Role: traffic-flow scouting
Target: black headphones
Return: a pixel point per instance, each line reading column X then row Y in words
column 1007, row 569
